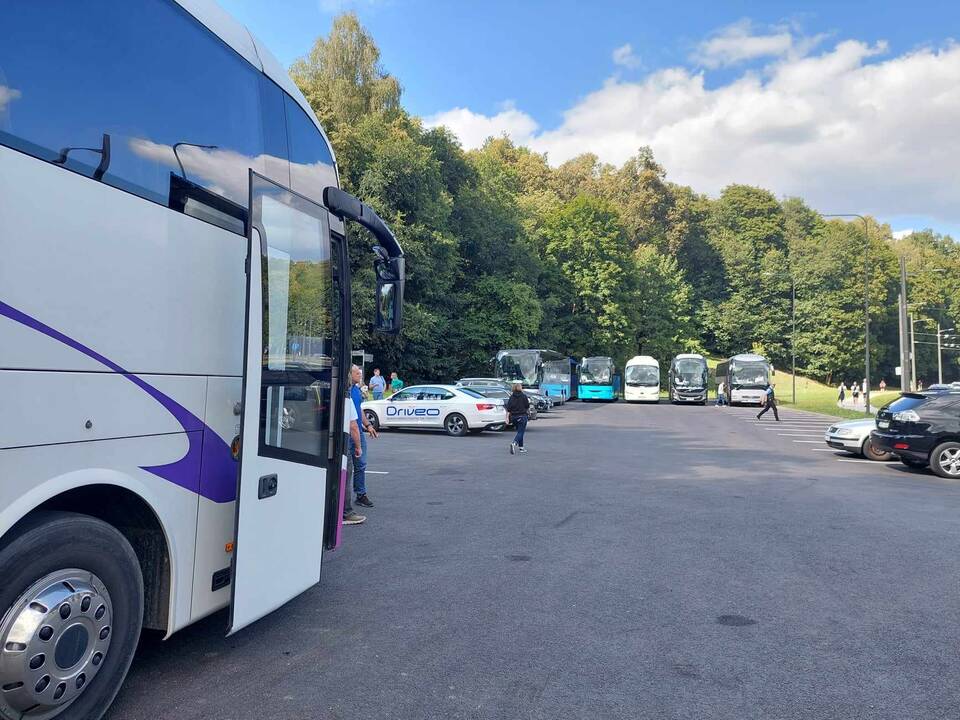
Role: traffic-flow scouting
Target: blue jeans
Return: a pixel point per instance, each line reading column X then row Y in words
column 377, row 394
column 521, row 424
column 359, row 464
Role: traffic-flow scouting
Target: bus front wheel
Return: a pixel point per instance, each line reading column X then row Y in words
column 71, row 604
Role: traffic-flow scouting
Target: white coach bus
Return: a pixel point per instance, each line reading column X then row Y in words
column 174, row 338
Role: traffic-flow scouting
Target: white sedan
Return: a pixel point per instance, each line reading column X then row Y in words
column 457, row 410
column 854, row 437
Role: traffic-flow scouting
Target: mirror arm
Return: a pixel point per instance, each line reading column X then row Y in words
column 346, row 207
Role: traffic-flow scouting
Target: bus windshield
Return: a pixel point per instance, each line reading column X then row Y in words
column 689, row 371
column 596, row 371
column 642, row 375
column 556, row 372
column 749, row 375
column 520, row 365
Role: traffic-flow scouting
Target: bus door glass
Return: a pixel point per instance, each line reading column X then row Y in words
column 287, row 413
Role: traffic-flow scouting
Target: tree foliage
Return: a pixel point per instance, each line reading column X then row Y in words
column 504, row 250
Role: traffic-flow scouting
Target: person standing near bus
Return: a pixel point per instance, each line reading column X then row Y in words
column 377, row 384
column 396, row 384
column 721, row 400
column 517, row 408
column 364, row 426
column 351, row 427
column 770, row 404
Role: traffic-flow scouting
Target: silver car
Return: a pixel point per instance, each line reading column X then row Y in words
column 853, row 436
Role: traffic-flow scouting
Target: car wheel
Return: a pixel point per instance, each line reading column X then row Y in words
column 913, row 464
column 456, row 424
column 372, row 418
column 71, row 604
column 945, row 460
column 871, row 453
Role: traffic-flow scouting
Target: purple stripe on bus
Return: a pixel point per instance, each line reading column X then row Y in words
column 205, row 449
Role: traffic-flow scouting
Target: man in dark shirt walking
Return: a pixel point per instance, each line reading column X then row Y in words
column 771, row 403
column 517, row 408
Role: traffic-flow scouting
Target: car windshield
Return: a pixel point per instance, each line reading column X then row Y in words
column 596, row 371
column 689, row 371
column 752, row 374
column 645, row 375
column 519, row 365
column 906, row 402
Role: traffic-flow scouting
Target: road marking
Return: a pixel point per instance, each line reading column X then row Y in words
column 872, row 462
column 825, row 450
column 378, row 472
column 808, row 441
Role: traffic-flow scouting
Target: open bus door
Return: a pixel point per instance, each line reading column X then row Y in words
column 289, row 398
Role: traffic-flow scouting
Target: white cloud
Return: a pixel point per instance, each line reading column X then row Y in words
column 901, row 234
column 844, row 129
column 474, row 128
column 7, row 95
column 737, row 43
column 625, row 57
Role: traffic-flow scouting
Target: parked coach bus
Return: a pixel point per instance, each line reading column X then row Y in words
column 641, row 379
column 599, row 379
column 174, row 338
column 552, row 372
column 688, row 379
column 745, row 377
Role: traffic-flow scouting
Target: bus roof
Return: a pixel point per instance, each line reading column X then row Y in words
column 237, row 36
column 749, row 357
column 642, row 360
column 689, row 356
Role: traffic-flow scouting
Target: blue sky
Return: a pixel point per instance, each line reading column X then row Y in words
column 545, row 73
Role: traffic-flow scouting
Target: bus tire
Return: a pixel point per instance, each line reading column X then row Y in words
column 456, row 425
column 372, row 418
column 86, row 577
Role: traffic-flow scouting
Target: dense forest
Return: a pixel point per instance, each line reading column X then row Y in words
column 505, row 250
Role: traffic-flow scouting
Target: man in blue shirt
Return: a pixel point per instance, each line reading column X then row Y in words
column 377, row 384
column 360, row 461
column 771, row 403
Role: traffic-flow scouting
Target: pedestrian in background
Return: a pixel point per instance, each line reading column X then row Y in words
column 377, row 384
column 770, row 404
column 883, row 385
column 855, row 391
column 721, row 398
column 842, row 393
column 396, row 384
column 517, row 408
column 351, row 427
column 364, row 426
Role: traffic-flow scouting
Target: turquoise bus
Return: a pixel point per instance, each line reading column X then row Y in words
column 599, row 379
column 553, row 373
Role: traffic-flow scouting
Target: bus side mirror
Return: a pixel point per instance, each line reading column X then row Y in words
column 390, row 280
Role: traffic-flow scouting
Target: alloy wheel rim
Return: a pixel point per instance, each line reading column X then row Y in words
column 53, row 642
column 949, row 460
column 455, row 424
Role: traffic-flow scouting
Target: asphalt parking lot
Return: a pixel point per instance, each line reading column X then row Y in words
column 638, row 562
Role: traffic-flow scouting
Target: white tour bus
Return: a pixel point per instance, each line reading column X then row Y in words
column 641, row 379
column 174, row 338
column 745, row 378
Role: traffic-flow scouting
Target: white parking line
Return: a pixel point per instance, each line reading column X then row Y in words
column 800, row 434
column 808, row 441
column 871, row 462
column 378, row 472
column 825, row 450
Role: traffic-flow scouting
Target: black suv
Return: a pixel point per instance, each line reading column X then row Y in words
column 922, row 429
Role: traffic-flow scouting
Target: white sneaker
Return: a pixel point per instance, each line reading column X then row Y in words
column 513, row 448
column 523, row 450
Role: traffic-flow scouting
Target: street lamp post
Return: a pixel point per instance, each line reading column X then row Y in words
column 866, row 300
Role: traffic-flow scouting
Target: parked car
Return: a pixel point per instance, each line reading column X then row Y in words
column 923, row 430
column 853, row 436
column 501, row 395
column 544, row 402
column 457, row 410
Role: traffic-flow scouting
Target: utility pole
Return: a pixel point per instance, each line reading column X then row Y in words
column 905, row 377
column 913, row 354
column 939, row 358
column 793, row 339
